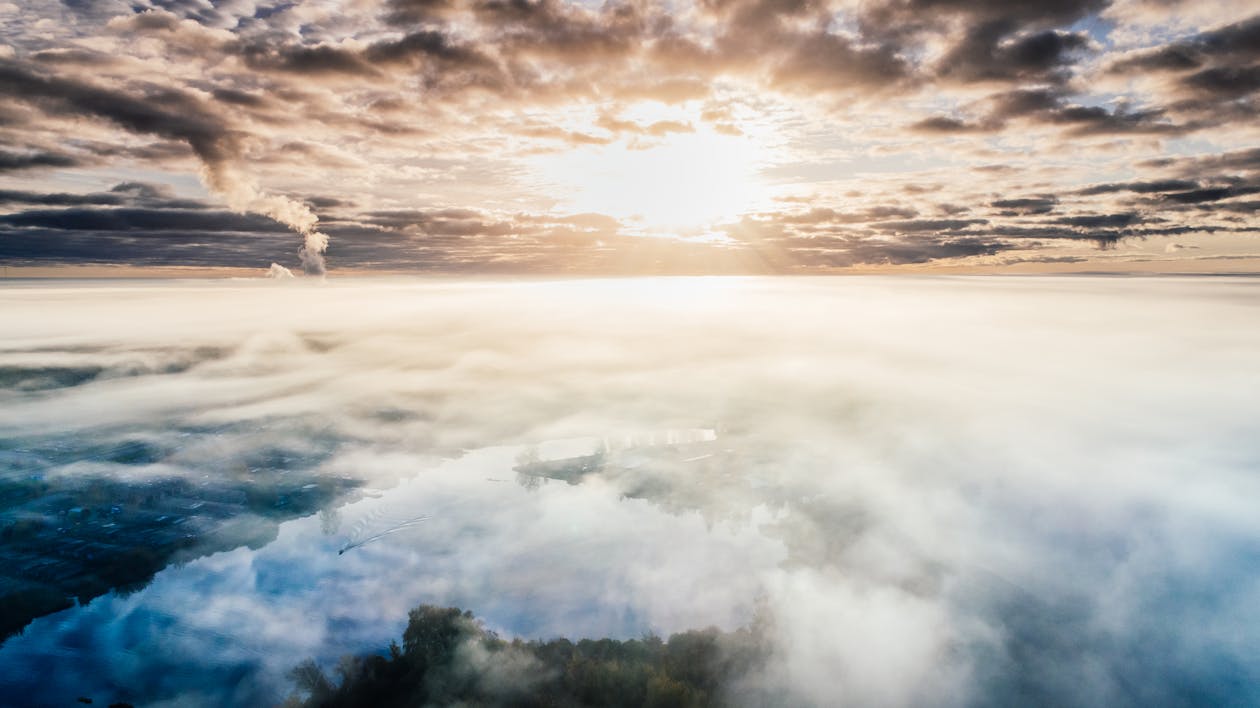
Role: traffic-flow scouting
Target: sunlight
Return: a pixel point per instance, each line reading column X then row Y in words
column 680, row 182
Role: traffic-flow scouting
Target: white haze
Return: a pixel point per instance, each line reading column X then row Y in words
column 945, row 491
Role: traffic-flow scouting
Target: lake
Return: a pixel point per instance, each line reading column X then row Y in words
column 923, row 490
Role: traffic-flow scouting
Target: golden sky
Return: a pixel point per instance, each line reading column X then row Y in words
column 518, row 136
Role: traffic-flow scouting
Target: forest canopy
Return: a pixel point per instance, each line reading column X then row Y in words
column 449, row 657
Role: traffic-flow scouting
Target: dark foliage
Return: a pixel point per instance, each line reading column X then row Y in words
column 448, row 658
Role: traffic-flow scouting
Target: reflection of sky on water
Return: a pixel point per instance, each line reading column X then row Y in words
column 560, row 559
column 946, row 491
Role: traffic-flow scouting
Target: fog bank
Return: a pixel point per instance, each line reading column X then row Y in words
column 947, row 491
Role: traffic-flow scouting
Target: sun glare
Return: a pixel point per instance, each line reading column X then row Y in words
column 678, row 183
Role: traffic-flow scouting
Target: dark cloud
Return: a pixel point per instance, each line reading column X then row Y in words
column 1210, row 194
column 1024, row 102
column 73, row 56
column 239, row 98
column 946, row 124
column 988, row 53
column 1247, row 160
column 122, row 194
column 1027, row 205
column 1236, row 42
column 1053, row 107
column 825, row 215
column 913, row 251
column 822, row 237
column 329, row 202
column 1097, row 120
column 137, row 220
column 35, row 246
column 1163, row 59
column 313, row 60
column 10, row 161
column 1091, row 221
column 142, row 190
column 9, row 196
column 426, row 45
column 552, row 29
column 1166, row 185
column 919, row 225
column 155, row 110
column 908, row 17
column 1247, row 208
column 1011, row 43
column 1225, row 81
column 828, row 62
column 1211, row 77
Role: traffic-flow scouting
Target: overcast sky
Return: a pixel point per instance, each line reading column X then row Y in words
column 629, row 137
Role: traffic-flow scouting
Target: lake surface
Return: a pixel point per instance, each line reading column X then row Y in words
column 958, row 491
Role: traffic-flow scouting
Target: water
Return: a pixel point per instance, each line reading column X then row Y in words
column 964, row 491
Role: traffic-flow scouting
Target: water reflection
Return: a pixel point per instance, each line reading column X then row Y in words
column 945, row 491
column 556, row 560
column 83, row 515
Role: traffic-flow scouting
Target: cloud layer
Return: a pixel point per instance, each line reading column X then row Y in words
column 886, row 133
column 956, row 491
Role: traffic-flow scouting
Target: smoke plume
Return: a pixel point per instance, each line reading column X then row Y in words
column 242, row 194
column 177, row 116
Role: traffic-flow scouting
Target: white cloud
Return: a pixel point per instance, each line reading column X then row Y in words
column 951, row 491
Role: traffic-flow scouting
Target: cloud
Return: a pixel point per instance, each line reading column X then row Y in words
column 946, row 125
column 308, row 60
column 10, row 161
column 1177, row 247
column 1168, row 185
column 1091, row 221
column 905, row 478
column 174, row 115
column 13, row 196
column 132, row 220
column 915, row 225
column 437, row 105
column 1027, row 205
column 1212, row 194
column 181, row 116
column 1234, row 42
column 984, row 55
column 279, row 272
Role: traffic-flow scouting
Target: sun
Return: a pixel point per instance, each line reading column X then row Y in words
column 678, row 182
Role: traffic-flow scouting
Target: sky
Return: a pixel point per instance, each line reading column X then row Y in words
column 564, row 137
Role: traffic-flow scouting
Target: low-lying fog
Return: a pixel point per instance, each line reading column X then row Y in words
column 936, row 491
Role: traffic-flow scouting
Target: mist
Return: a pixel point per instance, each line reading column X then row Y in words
column 946, row 491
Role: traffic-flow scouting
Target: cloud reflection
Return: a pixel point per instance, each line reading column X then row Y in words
column 954, row 491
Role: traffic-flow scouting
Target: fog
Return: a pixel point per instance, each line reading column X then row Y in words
column 946, row 491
